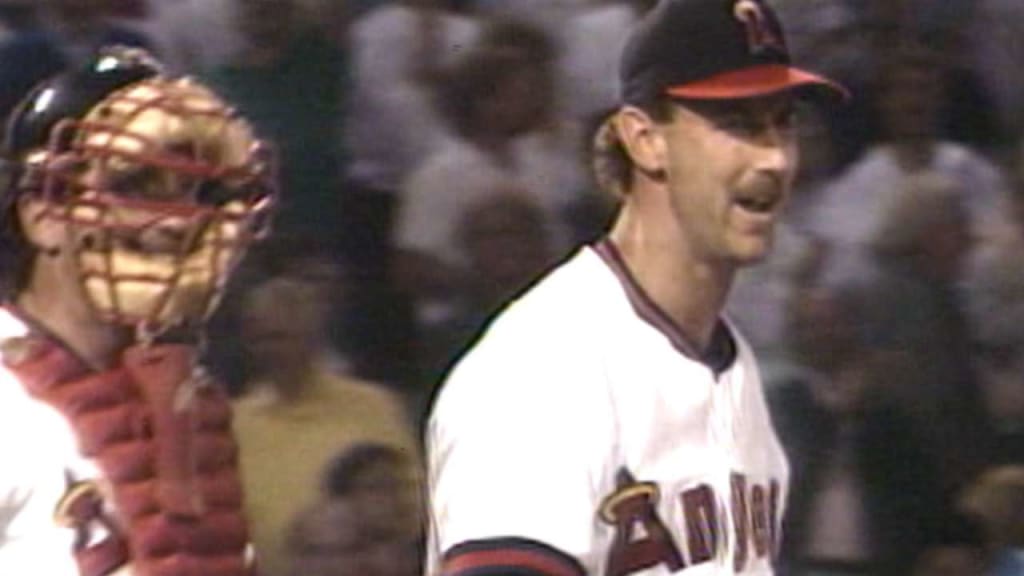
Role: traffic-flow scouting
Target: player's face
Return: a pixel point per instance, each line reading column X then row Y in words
column 729, row 167
column 156, row 201
column 138, row 264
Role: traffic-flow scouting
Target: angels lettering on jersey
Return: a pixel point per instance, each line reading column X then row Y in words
column 643, row 540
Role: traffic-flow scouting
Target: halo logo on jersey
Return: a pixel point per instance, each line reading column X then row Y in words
column 98, row 547
column 642, row 540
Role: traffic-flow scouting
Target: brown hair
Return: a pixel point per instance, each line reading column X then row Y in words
column 610, row 163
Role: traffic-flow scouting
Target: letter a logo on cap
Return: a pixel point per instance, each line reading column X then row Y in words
column 759, row 33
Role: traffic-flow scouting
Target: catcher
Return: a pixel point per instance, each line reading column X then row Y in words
column 131, row 196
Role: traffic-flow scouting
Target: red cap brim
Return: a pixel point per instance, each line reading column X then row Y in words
column 757, row 81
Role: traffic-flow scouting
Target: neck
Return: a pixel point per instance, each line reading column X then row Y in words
column 60, row 307
column 688, row 290
column 292, row 380
column 914, row 154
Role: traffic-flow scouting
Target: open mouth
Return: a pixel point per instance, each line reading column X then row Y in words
column 759, row 205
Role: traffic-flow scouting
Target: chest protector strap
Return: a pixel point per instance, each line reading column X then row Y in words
column 160, row 434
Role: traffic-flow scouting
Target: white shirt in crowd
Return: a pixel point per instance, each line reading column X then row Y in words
column 460, row 175
column 392, row 123
column 594, row 38
column 850, row 209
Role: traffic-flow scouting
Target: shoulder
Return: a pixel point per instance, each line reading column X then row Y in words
column 574, row 299
column 955, row 156
column 877, row 161
column 32, row 434
column 548, row 344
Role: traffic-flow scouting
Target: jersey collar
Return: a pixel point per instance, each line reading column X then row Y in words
column 722, row 351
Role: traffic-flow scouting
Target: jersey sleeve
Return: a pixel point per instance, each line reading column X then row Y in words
column 517, row 451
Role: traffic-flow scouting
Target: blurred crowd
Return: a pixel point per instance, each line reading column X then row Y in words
column 433, row 162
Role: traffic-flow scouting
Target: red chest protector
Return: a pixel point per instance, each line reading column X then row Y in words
column 161, row 437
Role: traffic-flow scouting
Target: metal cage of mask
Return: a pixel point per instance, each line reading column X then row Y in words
column 227, row 206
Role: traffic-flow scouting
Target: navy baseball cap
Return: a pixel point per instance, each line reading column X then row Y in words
column 714, row 49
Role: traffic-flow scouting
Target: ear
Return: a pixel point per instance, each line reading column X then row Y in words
column 642, row 139
column 38, row 226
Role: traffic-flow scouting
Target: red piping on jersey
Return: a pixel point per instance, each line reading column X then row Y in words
column 521, row 559
column 722, row 351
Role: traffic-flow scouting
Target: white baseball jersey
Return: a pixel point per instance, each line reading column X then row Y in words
column 41, row 466
column 583, row 435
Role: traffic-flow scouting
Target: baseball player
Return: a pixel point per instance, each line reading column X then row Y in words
column 611, row 421
column 131, row 197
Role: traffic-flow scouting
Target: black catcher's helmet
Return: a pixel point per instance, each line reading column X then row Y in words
column 120, row 153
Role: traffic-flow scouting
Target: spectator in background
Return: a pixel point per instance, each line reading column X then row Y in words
column 850, row 208
column 864, row 492
column 551, row 151
column 368, row 521
column 549, row 15
column 964, row 108
column 996, row 500
column 288, row 79
column 819, row 166
column 70, row 32
column 303, row 258
column 829, row 35
column 999, row 57
column 16, row 17
column 493, row 98
column 956, row 548
column 324, row 539
column 995, row 291
column 507, row 244
column 299, row 411
column 594, row 36
column 915, row 317
column 193, row 35
column 1000, row 364
column 384, row 486
column 398, row 51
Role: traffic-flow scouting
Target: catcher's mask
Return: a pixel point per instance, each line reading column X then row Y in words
column 162, row 187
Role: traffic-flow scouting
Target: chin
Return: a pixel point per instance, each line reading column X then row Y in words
column 751, row 253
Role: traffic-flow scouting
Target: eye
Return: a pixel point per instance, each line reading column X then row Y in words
column 215, row 193
column 133, row 181
column 754, row 123
column 787, row 119
column 220, row 192
column 741, row 123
